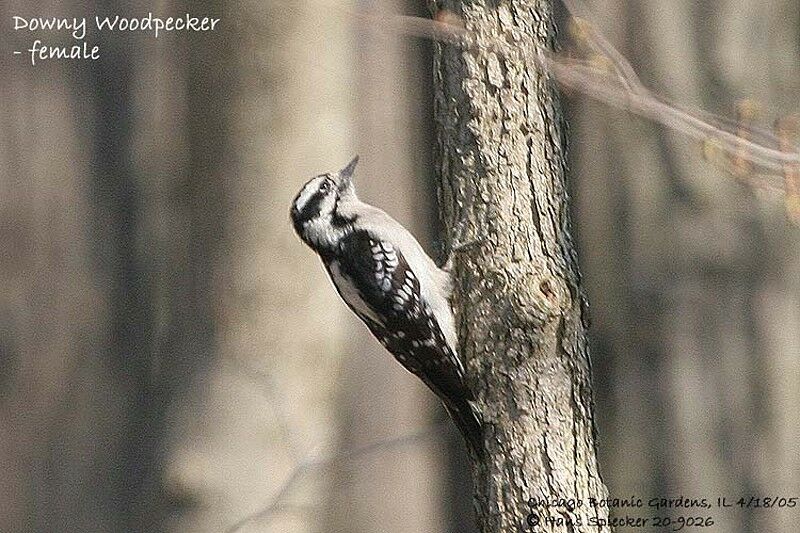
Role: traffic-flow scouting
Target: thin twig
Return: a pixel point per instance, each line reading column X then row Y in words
column 309, row 464
column 621, row 65
column 624, row 90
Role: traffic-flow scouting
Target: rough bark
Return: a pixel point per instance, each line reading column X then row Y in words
column 517, row 296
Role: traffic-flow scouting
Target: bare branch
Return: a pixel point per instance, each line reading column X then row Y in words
column 620, row 88
column 581, row 28
column 307, row 465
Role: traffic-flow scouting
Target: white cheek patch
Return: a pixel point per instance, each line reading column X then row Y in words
column 319, row 229
column 321, row 233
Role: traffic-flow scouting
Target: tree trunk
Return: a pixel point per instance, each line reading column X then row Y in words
column 693, row 277
column 266, row 404
column 517, row 294
column 108, row 261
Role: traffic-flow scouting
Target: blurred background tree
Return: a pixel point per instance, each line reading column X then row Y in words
column 692, row 278
column 169, row 352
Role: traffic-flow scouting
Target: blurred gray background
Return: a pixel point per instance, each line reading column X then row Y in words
column 173, row 359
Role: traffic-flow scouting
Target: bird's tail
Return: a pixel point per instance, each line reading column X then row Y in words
column 465, row 418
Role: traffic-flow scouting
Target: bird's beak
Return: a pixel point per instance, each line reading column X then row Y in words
column 344, row 179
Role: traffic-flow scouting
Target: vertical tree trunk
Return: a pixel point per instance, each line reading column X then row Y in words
column 268, row 401
column 106, row 309
column 694, row 278
column 52, row 309
column 517, row 295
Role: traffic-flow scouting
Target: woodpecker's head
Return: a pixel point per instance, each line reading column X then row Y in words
column 314, row 210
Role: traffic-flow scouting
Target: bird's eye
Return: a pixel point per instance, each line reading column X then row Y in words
column 325, row 186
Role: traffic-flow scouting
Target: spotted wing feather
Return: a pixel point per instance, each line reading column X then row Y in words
column 385, row 293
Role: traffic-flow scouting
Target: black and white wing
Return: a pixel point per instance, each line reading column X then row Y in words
column 376, row 281
column 378, row 284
